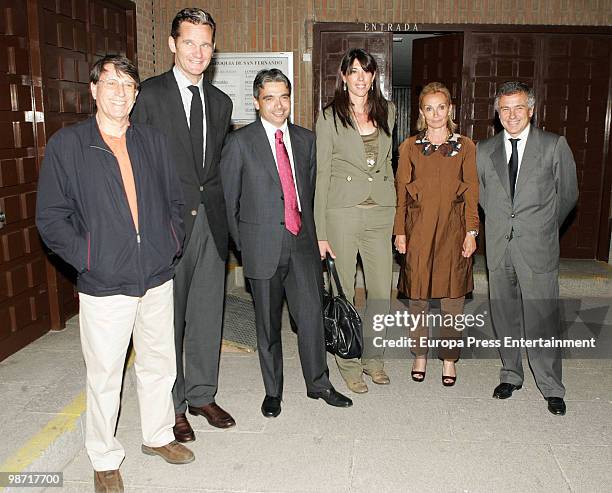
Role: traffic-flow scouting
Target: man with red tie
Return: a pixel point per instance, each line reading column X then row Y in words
column 268, row 170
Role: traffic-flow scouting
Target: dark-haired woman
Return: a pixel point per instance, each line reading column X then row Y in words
column 436, row 223
column 355, row 198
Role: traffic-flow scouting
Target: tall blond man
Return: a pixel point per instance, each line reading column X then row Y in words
column 195, row 116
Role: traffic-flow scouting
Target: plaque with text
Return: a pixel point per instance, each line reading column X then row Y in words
column 234, row 73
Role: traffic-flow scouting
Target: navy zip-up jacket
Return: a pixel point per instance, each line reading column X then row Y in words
column 82, row 211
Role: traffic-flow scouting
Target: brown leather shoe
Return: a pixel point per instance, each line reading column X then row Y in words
column 379, row 377
column 173, row 453
column 108, row 481
column 183, row 432
column 215, row 416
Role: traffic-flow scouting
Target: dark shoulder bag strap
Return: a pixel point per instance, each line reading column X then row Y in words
column 331, row 270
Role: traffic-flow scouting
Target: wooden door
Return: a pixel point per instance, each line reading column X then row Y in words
column 113, row 28
column 65, row 66
column 570, row 74
column 436, row 59
column 330, row 49
column 491, row 59
column 24, row 308
column 573, row 95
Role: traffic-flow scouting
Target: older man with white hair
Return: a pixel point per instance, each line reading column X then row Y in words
column 528, row 187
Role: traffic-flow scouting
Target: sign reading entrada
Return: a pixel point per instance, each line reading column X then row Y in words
column 389, row 26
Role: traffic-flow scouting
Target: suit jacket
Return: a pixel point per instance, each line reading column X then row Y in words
column 343, row 177
column 546, row 191
column 254, row 196
column 159, row 104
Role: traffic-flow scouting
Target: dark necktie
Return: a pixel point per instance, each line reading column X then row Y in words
column 196, row 126
column 293, row 220
column 513, row 166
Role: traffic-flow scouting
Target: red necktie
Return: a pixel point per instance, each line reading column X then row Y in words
column 293, row 221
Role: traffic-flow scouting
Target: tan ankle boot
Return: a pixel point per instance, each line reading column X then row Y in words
column 379, row 377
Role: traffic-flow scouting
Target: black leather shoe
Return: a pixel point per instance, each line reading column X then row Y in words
column 556, row 405
column 271, row 406
column 332, row 397
column 504, row 390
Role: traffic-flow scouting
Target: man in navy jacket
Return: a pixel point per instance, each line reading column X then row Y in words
column 110, row 204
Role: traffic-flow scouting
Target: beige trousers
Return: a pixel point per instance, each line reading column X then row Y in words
column 107, row 323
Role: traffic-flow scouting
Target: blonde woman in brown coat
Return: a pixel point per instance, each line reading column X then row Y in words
column 436, row 222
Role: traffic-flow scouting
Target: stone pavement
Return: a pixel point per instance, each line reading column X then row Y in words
column 403, row 437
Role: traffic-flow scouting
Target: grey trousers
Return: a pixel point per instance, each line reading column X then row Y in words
column 298, row 278
column 199, row 285
column 526, row 304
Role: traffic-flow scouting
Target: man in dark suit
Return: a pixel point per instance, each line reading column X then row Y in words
column 528, row 187
column 268, row 170
column 195, row 116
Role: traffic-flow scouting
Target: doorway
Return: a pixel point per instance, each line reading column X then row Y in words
column 417, row 60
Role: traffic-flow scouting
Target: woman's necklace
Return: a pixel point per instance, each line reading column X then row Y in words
column 449, row 135
column 369, row 161
column 366, row 119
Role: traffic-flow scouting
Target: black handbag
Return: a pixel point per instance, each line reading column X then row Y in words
column 343, row 326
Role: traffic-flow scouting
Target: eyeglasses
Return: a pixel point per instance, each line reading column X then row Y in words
column 114, row 84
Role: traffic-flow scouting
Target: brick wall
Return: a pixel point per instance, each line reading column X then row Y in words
column 145, row 37
column 286, row 25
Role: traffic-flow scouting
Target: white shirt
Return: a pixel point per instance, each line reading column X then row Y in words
column 520, row 146
column 270, row 133
column 186, row 95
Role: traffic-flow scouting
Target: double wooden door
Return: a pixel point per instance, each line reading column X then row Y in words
column 46, row 49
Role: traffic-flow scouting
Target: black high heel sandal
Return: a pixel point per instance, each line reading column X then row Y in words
column 416, row 374
column 447, row 380
column 451, row 380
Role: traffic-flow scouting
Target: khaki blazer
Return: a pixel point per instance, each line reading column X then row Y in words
column 343, row 177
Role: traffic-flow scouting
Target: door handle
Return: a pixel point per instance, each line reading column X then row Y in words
column 2, row 219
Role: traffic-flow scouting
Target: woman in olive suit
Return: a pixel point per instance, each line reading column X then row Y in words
column 355, row 198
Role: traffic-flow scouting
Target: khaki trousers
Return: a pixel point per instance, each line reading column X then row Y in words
column 107, row 323
column 448, row 306
column 367, row 232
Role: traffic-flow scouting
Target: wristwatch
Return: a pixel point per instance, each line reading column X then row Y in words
column 473, row 232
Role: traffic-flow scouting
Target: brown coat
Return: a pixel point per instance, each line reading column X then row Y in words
column 437, row 203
